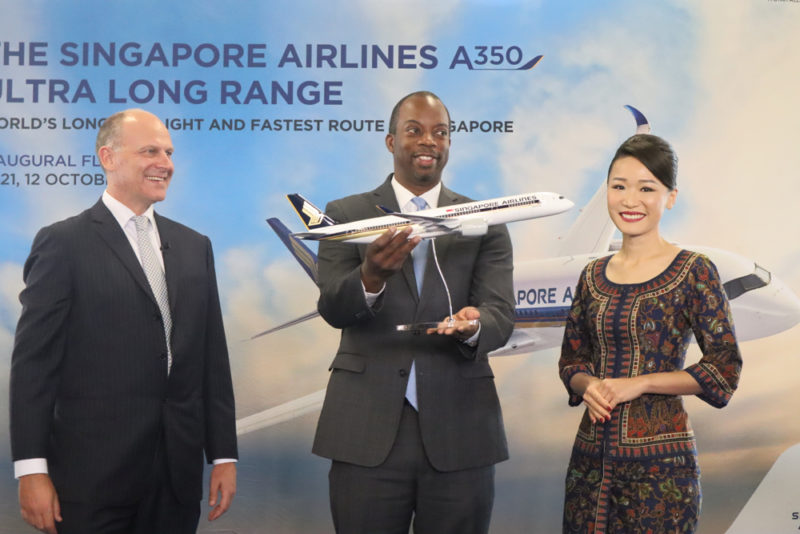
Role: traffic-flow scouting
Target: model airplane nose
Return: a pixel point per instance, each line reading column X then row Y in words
column 559, row 203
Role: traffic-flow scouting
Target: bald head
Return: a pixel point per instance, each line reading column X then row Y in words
column 108, row 134
column 135, row 150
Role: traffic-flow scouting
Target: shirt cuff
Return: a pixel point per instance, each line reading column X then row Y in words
column 30, row 466
column 224, row 461
column 371, row 297
column 473, row 340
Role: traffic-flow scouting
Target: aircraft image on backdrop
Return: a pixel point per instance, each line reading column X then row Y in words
column 467, row 219
column 762, row 304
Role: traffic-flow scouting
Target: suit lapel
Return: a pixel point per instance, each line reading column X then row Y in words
column 111, row 233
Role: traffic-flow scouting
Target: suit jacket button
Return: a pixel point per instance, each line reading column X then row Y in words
column 402, row 372
column 163, row 356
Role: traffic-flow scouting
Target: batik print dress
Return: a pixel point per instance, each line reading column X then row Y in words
column 638, row 472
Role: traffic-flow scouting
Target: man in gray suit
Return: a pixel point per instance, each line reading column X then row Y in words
column 413, row 422
column 120, row 378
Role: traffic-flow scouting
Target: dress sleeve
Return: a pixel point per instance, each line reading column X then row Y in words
column 719, row 369
column 576, row 348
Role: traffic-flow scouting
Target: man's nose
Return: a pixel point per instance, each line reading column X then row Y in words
column 165, row 160
column 427, row 138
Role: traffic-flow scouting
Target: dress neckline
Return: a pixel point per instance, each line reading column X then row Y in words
column 602, row 265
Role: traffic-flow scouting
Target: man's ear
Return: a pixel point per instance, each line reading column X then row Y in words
column 107, row 157
column 390, row 142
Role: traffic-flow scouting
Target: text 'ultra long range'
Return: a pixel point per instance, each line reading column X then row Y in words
column 469, row 219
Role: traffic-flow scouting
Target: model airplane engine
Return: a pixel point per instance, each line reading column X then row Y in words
column 474, row 227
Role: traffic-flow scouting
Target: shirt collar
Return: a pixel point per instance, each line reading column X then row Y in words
column 123, row 213
column 404, row 196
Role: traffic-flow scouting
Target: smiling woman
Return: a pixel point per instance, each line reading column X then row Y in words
column 625, row 342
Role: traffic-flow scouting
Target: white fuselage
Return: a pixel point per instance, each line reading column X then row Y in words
column 457, row 218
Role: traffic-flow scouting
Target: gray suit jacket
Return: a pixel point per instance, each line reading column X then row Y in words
column 89, row 384
column 459, row 412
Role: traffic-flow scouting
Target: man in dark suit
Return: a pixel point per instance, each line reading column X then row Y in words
column 120, row 377
column 412, row 422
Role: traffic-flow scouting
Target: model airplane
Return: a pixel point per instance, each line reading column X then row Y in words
column 762, row 305
column 469, row 219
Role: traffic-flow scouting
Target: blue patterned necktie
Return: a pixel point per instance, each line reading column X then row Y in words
column 155, row 276
column 420, row 256
column 420, row 252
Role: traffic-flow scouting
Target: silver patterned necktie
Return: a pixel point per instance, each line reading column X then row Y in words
column 155, row 276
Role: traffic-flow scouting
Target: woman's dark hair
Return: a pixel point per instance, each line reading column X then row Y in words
column 654, row 153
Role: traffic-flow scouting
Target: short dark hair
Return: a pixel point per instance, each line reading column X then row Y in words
column 396, row 109
column 654, row 153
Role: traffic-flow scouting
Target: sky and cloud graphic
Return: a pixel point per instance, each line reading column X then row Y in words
column 719, row 80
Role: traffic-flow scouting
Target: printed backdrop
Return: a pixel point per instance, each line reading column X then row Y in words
column 269, row 98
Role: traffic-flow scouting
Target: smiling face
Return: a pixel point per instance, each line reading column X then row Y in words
column 421, row 143
column 636, row 198
column 138, row 161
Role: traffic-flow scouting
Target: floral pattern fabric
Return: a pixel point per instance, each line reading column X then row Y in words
column 641, row 497
column 626, row 330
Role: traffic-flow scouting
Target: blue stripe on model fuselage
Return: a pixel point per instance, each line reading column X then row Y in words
column 552, row 314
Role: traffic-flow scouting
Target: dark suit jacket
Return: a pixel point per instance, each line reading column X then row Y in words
column 89, row 384
column 459, row 412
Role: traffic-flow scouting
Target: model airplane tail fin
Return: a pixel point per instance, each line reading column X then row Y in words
column 304, row 256
column 312, row 216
